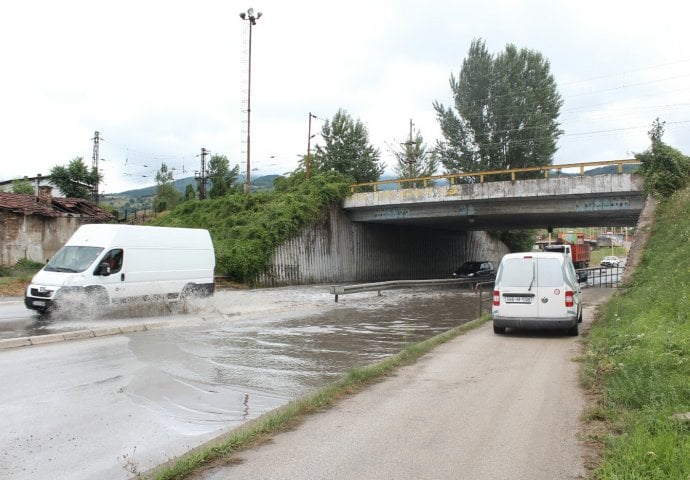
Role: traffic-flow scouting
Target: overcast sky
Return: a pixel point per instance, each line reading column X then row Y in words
column 161, row 79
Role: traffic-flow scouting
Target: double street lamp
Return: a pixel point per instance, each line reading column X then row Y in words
column 251, row 18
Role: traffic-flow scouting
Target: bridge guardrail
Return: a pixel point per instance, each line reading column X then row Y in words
column 453, row 177
column 391, row 284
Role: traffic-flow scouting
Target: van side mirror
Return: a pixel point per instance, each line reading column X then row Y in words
column 103, row 269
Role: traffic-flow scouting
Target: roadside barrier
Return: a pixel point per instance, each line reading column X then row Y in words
column 392, row 284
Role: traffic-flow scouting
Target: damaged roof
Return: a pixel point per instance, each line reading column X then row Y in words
column 59, row 207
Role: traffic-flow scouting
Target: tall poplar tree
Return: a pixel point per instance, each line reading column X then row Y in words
column 505, row 112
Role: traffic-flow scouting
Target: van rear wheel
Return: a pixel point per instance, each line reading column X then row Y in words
column 499, row 330
column 574, row 331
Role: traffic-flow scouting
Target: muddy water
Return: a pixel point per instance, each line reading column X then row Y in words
column 201, row 378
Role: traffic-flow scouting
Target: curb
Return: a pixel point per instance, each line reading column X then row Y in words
column 68, row 336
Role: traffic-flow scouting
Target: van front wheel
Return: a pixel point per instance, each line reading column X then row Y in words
column 499, row 330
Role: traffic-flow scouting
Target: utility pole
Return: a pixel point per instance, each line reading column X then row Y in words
column 410, row 155
column 308, row 165
column 94, row 165
column 201, row 176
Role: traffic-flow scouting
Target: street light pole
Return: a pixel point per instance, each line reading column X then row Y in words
column 251, row 18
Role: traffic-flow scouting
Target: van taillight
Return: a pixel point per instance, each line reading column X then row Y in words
column 569, row 299
column 497, row 298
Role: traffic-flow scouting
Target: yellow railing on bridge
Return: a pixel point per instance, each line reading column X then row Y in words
column 481, row 176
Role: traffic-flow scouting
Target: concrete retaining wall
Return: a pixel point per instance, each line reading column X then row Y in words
column 337, row 251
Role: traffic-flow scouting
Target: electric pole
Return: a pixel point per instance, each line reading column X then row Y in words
column 94, row 166
column 410, row 154
column 201, row 176
column 309, row 135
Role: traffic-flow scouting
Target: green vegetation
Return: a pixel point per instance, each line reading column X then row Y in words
column 664, row 168
column 507, row 110
column 347, row 150
column 247, row 228
column 13, row 280
column 638, row 358
column 287, row 417
column 76, row 179
column 600, row 253
column 167, row 196
column 22, row 186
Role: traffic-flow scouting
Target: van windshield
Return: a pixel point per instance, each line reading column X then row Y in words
column 73, row 259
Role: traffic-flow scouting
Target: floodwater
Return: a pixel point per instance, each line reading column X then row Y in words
column 243, row 364
column 161, row 392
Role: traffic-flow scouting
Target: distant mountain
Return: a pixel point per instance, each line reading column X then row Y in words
column 259, row 183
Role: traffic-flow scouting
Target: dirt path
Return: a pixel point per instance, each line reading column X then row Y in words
column 481, row 406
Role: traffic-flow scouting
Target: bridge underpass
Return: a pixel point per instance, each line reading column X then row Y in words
column 609, row 200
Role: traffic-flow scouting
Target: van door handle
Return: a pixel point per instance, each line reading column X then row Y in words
column 122, row 277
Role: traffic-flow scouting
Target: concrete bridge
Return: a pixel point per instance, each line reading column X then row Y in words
column 552, row 201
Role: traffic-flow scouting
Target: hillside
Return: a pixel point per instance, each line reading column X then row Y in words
column 637, row 360
column 141, row 198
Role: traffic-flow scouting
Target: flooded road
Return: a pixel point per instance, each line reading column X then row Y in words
column 153, row 395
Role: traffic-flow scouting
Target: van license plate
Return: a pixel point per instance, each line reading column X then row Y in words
column 39, row 303
column 518, row 299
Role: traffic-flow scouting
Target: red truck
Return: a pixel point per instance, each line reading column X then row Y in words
column 574, row 246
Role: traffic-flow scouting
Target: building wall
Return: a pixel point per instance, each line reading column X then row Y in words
column 33, row 237
column 337, row 250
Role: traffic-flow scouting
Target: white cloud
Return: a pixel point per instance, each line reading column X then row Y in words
column 160, row 80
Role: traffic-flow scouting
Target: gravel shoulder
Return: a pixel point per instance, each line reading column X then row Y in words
column 480, row 406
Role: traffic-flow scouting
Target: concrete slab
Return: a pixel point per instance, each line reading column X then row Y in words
column 42, row 339
column 133, row 328
column 103, row 332
column 14, row 343
column 78, row 335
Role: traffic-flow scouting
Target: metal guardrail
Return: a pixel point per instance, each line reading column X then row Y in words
column 378, row 286
column 607, row 277
column 480, row 176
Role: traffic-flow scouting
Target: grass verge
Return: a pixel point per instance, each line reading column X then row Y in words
column 291, row 414
column 637, row 361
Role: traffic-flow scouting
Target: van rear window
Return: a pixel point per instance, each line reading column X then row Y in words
column 549, row 272
column 526, row 272
column 517, row 272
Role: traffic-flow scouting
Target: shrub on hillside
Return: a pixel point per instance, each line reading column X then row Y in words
column 246, row 229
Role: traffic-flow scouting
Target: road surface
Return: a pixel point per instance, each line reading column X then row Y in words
column 482, row 406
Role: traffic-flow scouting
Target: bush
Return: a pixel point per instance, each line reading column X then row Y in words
column 665, row 169
column 246, row 229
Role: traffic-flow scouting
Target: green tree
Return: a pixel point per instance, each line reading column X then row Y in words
column 167, row 196
column 664, row 168
column 414, row 160
column 76, row 180
column 507, row 110
column 222, row 178
column 22, row 186
column 189, row 192
column 347, row 150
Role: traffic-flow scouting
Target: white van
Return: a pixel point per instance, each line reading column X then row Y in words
column 537, row 290
column 107, row 263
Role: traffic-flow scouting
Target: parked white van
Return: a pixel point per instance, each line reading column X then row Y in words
column 107, row 263
column 536, row 290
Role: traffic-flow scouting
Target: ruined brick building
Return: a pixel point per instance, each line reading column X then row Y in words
column 34, row 227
